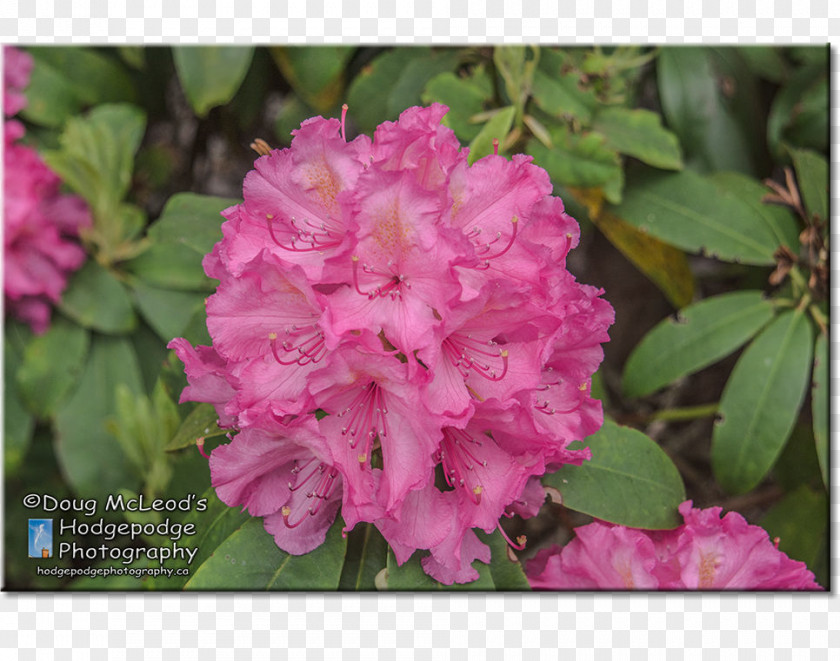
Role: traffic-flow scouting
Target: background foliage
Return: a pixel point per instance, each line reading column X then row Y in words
column 715, row 382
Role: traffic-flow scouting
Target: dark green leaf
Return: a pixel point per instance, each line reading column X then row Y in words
column 210, row 75
column 315, row 73
column 464, row 96
column 410, row 576
column 167, row 312
column 820, row 407
column 200, row 423
column 152, row 351
column 506, row 574
column 694, row 213
column 639, row 133
column 761, row 401
column 51, row 365
column 767, row 62
column 18, row 424
column 171, row 265
column 408, row 88
column 629, row 480
column 192, row 220
column 812, row 176
column 799, row 114
column 560, row 96
column 96, row 299
column 496, row 128
column 90, row 457
column 292, row 114
column 249, row 559
column 704, row 333
column 798, row 464
column 367, row 554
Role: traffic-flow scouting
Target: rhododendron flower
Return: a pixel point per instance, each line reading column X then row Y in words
column 706, row 552
column 414, row 315
column 40, row 224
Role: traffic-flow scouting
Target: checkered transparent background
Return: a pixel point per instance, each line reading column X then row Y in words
column 131, row 626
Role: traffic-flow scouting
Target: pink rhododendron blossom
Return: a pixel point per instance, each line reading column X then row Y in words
column 40, row 224
column 405, row 321
column 706, row 552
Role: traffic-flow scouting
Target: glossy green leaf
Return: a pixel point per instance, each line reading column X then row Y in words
column 580, row 161
column 410, row 576
column 639, row 133
column 692, row 105
column 820, row 408
column 367, row 555
column 761, row 402
column 561, row 96
column 202, row 422
column 812, row 177
column 249, row 559
column 315, row 73
column 779, row 220
column 210, row 75
column 171, row 265
column 800, row 521
column 18, row 423
column 51, row 365
column 465, row 96
column 192, row 220
column 694, row 213
column 168, row 312
column 95, row 299
column 90, row 457
column 496, row 128
column 702, row 334
column 506, row 574
column 629, row 480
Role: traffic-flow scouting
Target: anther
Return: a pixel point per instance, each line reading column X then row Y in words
column 199, row 443
column 343, row 118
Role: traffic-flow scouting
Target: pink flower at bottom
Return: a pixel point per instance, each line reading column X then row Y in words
column 706, row 552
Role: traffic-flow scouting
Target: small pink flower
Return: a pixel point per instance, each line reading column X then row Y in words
column 705, row 553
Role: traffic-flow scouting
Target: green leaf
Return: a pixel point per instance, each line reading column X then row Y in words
column 496, row 128
column 629, row 480
column 18, row 423
column 167, row 312
column 517, row 65
column 51, row 366
column 95, row 299
column 799, row 114
column 577, row 160
column 694, row 213
column 703, row 334
column 367, row 554
column 202, row 422
column 800, row 521
column 560, row 96
column 315, row 73
column 171, row 265
column 780, row 222
column 639, row 133
column 688, row 89
column 505, row 573
column 410, row 576
column 249, row 559
column 192, row 220
column 767, row 62
column 90, row 458
column 464, row 96
column 761, row 401
column 210, row 75
column 812, row 176
column 820, row 407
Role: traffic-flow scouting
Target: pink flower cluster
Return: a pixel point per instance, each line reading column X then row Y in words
column 40, row 223
column 707, row 552
column 395, row 333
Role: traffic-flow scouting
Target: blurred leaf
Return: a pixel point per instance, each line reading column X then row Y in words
column 820, row 405
column 800, row 521
column 465, row 96
column 799, row 114
column 133, row 56
column 249, row 559
column 688, row 89
column 779, row 220
column 200, row 423
column 51, row 365
column 666, row 266
column 210, row 75
column 629, row 480
column 496, row 128
column 704, row 333
column 812, row 177
column 761, row 401
column 506, row 574
column 639, row 133
column 798, row 464
column 411, row 576
column 315, row 72
column 766, row 61
column 66, row 79
column 151, row 350
column 171, row 265
column 696, row 214
column 367, row 554
column 18, row 423
column 517, row 65
column 90, row 458
column 168, row 312
column 96, row 299
column 192, row 220
column 292, row 114
column 395, row 81
column 577, row 160
column 560, row 96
